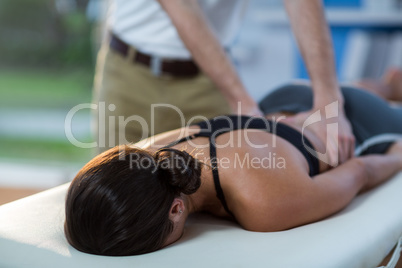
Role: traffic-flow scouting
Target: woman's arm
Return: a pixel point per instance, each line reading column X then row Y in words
column 383, row 167
column 206, row 50
column 303, row 200
column 336, row 188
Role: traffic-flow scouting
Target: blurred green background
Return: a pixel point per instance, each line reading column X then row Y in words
column 46, row 68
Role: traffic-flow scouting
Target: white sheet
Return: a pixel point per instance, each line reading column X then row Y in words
column 31, row 235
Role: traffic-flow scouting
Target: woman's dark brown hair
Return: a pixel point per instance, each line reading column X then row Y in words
column 119, row 203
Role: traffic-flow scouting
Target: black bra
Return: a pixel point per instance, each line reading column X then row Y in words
column 223, row 124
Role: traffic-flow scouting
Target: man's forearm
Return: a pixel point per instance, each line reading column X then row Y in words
column 313, row 37
column 312, row 34
column 198, row 37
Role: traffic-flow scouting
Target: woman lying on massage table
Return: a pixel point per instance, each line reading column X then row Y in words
column 135, row 199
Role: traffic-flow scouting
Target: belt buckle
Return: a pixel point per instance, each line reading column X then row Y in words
column 156, row 65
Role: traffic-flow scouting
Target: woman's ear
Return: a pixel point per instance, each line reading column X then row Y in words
column 176, row 210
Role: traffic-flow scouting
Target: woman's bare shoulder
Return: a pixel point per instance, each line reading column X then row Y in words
column 262, row 199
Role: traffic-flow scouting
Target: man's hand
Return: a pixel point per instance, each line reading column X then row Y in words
column 253, row 111
column 246, row 107
column 339, row 144
column 312, row 33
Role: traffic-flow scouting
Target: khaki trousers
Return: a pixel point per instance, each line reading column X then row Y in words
column 133, row 104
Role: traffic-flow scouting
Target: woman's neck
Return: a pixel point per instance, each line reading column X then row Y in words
column 204, row 200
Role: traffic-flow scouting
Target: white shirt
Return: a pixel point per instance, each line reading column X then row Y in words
column 146, row 26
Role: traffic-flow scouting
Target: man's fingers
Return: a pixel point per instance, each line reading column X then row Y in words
column 253, row 111
column 348, row 140
column 340, row 143
column 340, row 151
column 345, row 152
column 333, row 151
column 344, row 145
column 352, row 147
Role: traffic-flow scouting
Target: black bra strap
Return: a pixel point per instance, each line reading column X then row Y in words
column 214, row 164
column 215, row 175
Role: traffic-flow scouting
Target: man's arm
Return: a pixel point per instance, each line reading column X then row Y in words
column 206, row 50
column 313, row 37
column 311, row 31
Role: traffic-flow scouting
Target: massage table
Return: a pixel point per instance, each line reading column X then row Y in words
column 361, row 235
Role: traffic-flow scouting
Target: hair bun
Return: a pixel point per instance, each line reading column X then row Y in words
column 180, row 170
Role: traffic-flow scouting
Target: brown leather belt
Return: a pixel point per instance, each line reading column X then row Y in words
column 179, row 68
